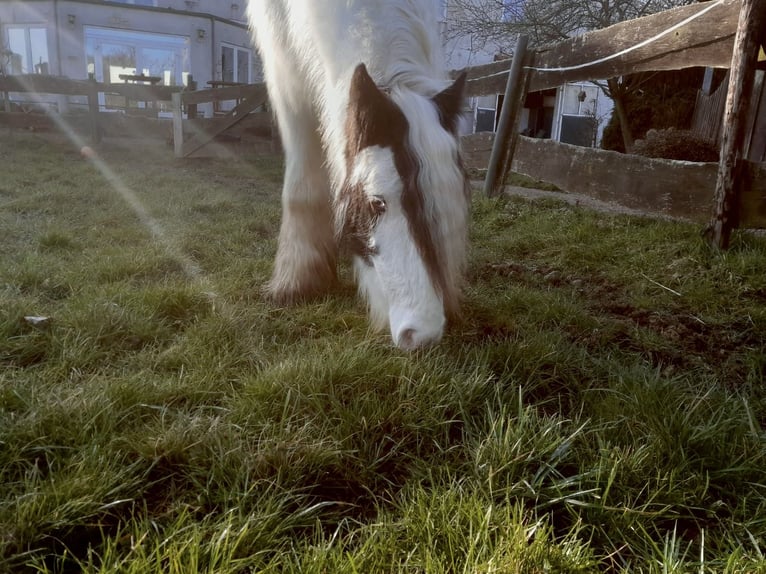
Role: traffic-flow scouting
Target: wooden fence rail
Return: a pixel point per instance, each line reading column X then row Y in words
column 35, row 85
column 706, row 41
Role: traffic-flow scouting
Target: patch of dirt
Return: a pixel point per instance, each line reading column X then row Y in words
column 673, row 340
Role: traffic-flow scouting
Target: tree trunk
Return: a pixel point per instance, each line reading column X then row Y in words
column 617, row 92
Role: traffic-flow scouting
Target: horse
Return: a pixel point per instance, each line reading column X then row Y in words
column 368, row 119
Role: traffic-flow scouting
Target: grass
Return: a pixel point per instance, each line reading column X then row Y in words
column 599, row 408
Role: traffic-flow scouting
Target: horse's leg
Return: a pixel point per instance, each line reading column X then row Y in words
column 306, row 256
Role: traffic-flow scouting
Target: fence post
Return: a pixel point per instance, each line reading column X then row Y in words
column 191, row 109
column 178, row 125
column 93, row 112
column 503, row 136
column 750, row 30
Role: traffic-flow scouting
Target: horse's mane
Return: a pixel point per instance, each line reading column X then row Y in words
column 414, row 53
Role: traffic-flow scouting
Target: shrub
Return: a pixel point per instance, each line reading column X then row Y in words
column 676, row 144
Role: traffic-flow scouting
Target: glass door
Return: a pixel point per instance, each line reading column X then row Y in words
column 111, row 53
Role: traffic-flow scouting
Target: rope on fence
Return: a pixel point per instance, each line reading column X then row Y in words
column 617, row 54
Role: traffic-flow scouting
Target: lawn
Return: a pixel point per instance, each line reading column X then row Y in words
column 600, row 406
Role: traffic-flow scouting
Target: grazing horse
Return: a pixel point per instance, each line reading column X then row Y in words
column 368, row 120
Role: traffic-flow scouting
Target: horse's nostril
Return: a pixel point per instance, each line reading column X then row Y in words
column 406, row 340
column 410, row 339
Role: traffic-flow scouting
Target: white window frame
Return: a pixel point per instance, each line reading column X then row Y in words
column 237, row 49
column 141, row 40
column 28, row 58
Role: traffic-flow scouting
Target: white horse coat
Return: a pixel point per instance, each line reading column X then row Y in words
column 368, row 123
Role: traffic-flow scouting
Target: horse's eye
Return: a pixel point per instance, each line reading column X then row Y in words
column 377, row 205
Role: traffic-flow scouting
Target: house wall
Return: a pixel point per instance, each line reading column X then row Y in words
column 204, row 23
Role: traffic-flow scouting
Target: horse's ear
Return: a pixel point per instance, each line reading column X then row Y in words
column 363, row 91
column 373, row 118
column 449, row 102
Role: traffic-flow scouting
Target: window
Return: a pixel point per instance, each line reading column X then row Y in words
column 235, row 64
column 112, row 52
column 486, row 113
column 28, row 50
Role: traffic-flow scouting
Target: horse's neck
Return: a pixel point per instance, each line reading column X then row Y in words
column 395, row 39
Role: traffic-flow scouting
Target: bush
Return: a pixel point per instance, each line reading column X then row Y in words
column 665, row 99
column 676, row 144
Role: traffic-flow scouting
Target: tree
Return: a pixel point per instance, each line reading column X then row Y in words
column 497, row 23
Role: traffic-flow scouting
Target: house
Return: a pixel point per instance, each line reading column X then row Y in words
column 165, row 41
column 574, row 113
column 169, row 41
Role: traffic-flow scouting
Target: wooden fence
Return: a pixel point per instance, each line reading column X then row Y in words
column 188, row 134
column 34, row 86
column 708, row 112
column 248, row 97
column 707, row 40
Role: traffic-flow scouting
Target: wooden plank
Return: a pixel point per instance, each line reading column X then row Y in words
column 711, row 55
column 236, row 115
column 253, row 126
column 708, row 112
column 178, row 126
column 57, row 85
column 706, row 41
column 95, row 128
column 249, row 91
column 750, row 29
column 45, row 85
column 757, row 147
column 140, row 92
column 752, row 115
column 487, row 78
column 256, row 124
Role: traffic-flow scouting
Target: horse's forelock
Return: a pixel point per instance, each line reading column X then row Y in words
column 441, row 188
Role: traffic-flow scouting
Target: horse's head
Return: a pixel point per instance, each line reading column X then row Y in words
column 402, row 210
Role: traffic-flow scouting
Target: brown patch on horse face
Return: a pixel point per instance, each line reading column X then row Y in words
column 374, row 120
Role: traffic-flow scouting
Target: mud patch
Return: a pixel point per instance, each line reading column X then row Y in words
column 673, row 340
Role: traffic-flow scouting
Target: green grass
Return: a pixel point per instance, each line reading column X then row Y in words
column 600, row 407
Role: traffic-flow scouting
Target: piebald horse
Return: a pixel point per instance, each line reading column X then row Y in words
column 368, row 120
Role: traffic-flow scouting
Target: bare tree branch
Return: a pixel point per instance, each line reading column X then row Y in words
column 498, row 22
